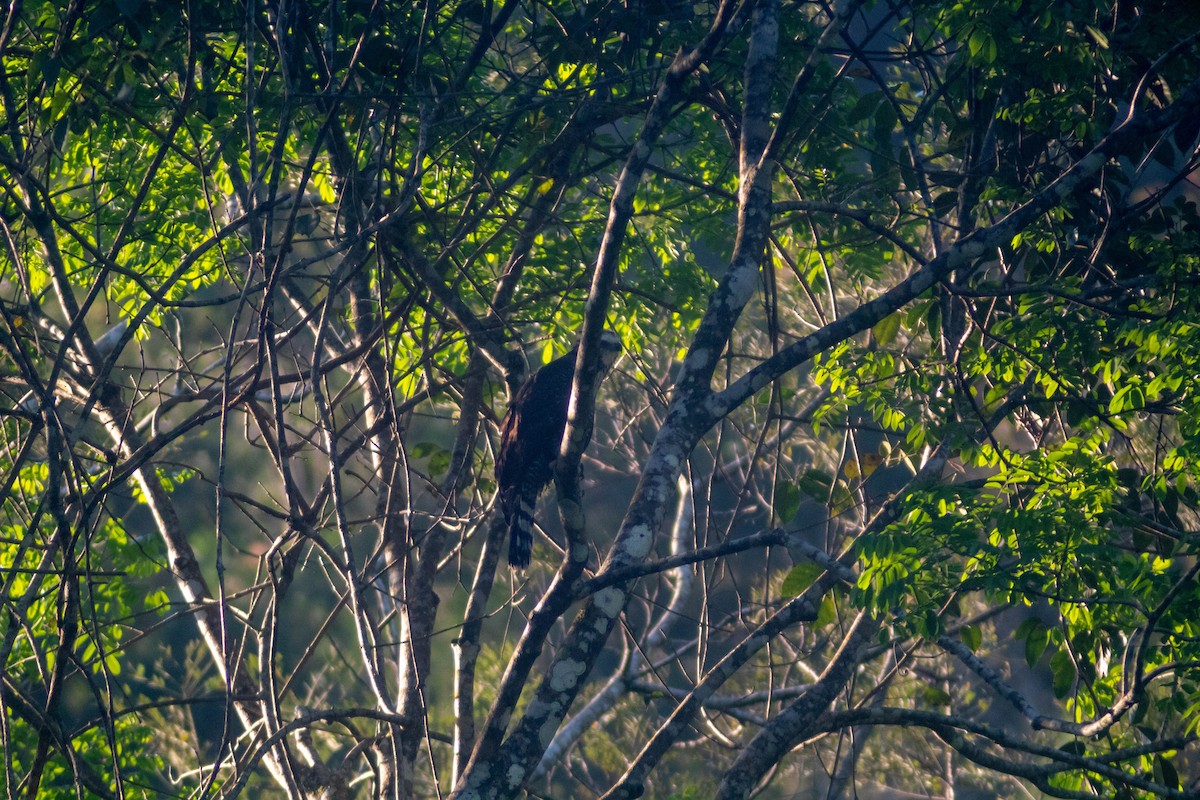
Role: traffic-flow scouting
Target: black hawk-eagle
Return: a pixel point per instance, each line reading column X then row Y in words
column 530, row 436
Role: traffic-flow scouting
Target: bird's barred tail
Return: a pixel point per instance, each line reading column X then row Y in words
column 520, row 533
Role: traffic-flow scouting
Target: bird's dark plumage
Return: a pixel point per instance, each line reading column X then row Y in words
column 530, row 435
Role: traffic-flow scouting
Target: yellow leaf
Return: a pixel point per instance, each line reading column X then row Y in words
column 867, row 463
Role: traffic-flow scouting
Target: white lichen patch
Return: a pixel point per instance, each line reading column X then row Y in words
column 972, row 249
column 741, row 285
column 466, row 651
column 637, row 541
column 653, row 492
column 610, row 601
column 566, row 674
column 516, row 774
column 536, row 708
column 697, row 358
column 715, row 406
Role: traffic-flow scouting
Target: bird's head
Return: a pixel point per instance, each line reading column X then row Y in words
column 610, row 349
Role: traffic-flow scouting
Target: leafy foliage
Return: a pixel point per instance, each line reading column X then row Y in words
column 906, row 442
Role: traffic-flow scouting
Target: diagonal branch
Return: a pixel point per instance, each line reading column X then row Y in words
column 497, row 770
column 965, row 254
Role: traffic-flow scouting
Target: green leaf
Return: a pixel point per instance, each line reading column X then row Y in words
column 944, row 203
column 885, row 123
column 826, row 614
column 933, row 319
column 865, row 107
column 815, row 484
column 158, row 601
column 935, row 697
column 1075, row 748
column 1035, row 643
column 1062, row 671
column 842, row 499
column 787, row 501
column 1099, row 36
column 971, row 636
column 930, row 625
column 1165, row 772
column 1127, row 398
column 439, row 462
column 886, row 329
column 421, row 449
column 982, row 46
column 800, row 577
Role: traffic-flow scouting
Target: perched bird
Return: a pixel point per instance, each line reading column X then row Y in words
column 530, row 436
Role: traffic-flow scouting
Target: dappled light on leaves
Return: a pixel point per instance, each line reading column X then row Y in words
column 893, row 491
